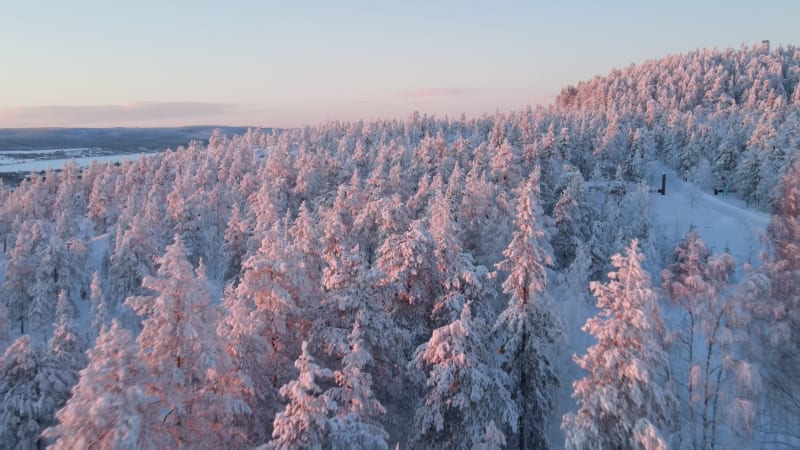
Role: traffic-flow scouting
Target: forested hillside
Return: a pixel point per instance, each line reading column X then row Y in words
column 727, row 119
column 421, row 282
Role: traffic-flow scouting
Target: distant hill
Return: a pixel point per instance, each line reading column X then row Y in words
column 120, row 139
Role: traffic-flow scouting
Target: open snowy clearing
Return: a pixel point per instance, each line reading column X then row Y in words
column 723, row 222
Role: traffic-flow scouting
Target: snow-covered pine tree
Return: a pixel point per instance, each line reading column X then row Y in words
column 131, row 260
column 236, row 237
column 620, row 402
column 109, row 407
column 305, row 239
column 304, row 422
column 355, row 294
column 61, row 267
column 98, row 312
column 573, row 217
column 240, row 328
column 408, row 262
column 483, row 217
column 198, row 389
column 456, row 271
column 264, row 324
column 44, row 290
column 19, row 274
column 527, row 326
column 355, row 422
column 66, row 354
column 4, row 326
column 25, row 409
column 102, row 207
column 492, row 439
column 505, row 165
column 466, row 389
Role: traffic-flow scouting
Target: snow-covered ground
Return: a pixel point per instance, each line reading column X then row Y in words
column 723, row 222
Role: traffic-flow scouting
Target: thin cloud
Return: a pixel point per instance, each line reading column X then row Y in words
column 433, row 92
column 99, row 115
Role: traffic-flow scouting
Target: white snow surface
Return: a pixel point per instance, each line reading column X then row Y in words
column 722, row 221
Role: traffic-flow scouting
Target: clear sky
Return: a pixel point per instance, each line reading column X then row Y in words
column 287, row 63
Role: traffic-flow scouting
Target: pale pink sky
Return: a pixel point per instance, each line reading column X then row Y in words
column 284, row 63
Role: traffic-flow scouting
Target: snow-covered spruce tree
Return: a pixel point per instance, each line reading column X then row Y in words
column 131, row 260
column 66, row 354
column 4, row 326
column 460, row 279
column 355, row 422
column 44, row 291
column 466, row 389
column 240, row 327
column 19, row 274
column 271, row 312
column 484, row 217
column 197, row 387
column 548, row 158
column 61, row 267
column 25, row 409
column 265, row 324
column 747, row 175
column 505, row 165
column 304, row 423
column 572, row 215
column 378, row 220
column 188, row 216
column 6, row 219
column 102, row 207
column 621, row 405
column 343, row 273
column 353, row 293
column 38, row 195
column 305, row 239
column 526, row 326
column 310, row 180
column 213, row 211
column 109, row 407
column 98, row 312
column 408, row 262
column 236, row 237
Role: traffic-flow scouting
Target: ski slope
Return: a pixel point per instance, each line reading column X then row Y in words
column 723, row 222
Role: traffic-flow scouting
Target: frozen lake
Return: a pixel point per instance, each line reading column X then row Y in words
column 14, row 161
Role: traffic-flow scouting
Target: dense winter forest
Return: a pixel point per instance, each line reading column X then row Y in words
column 421, row 283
